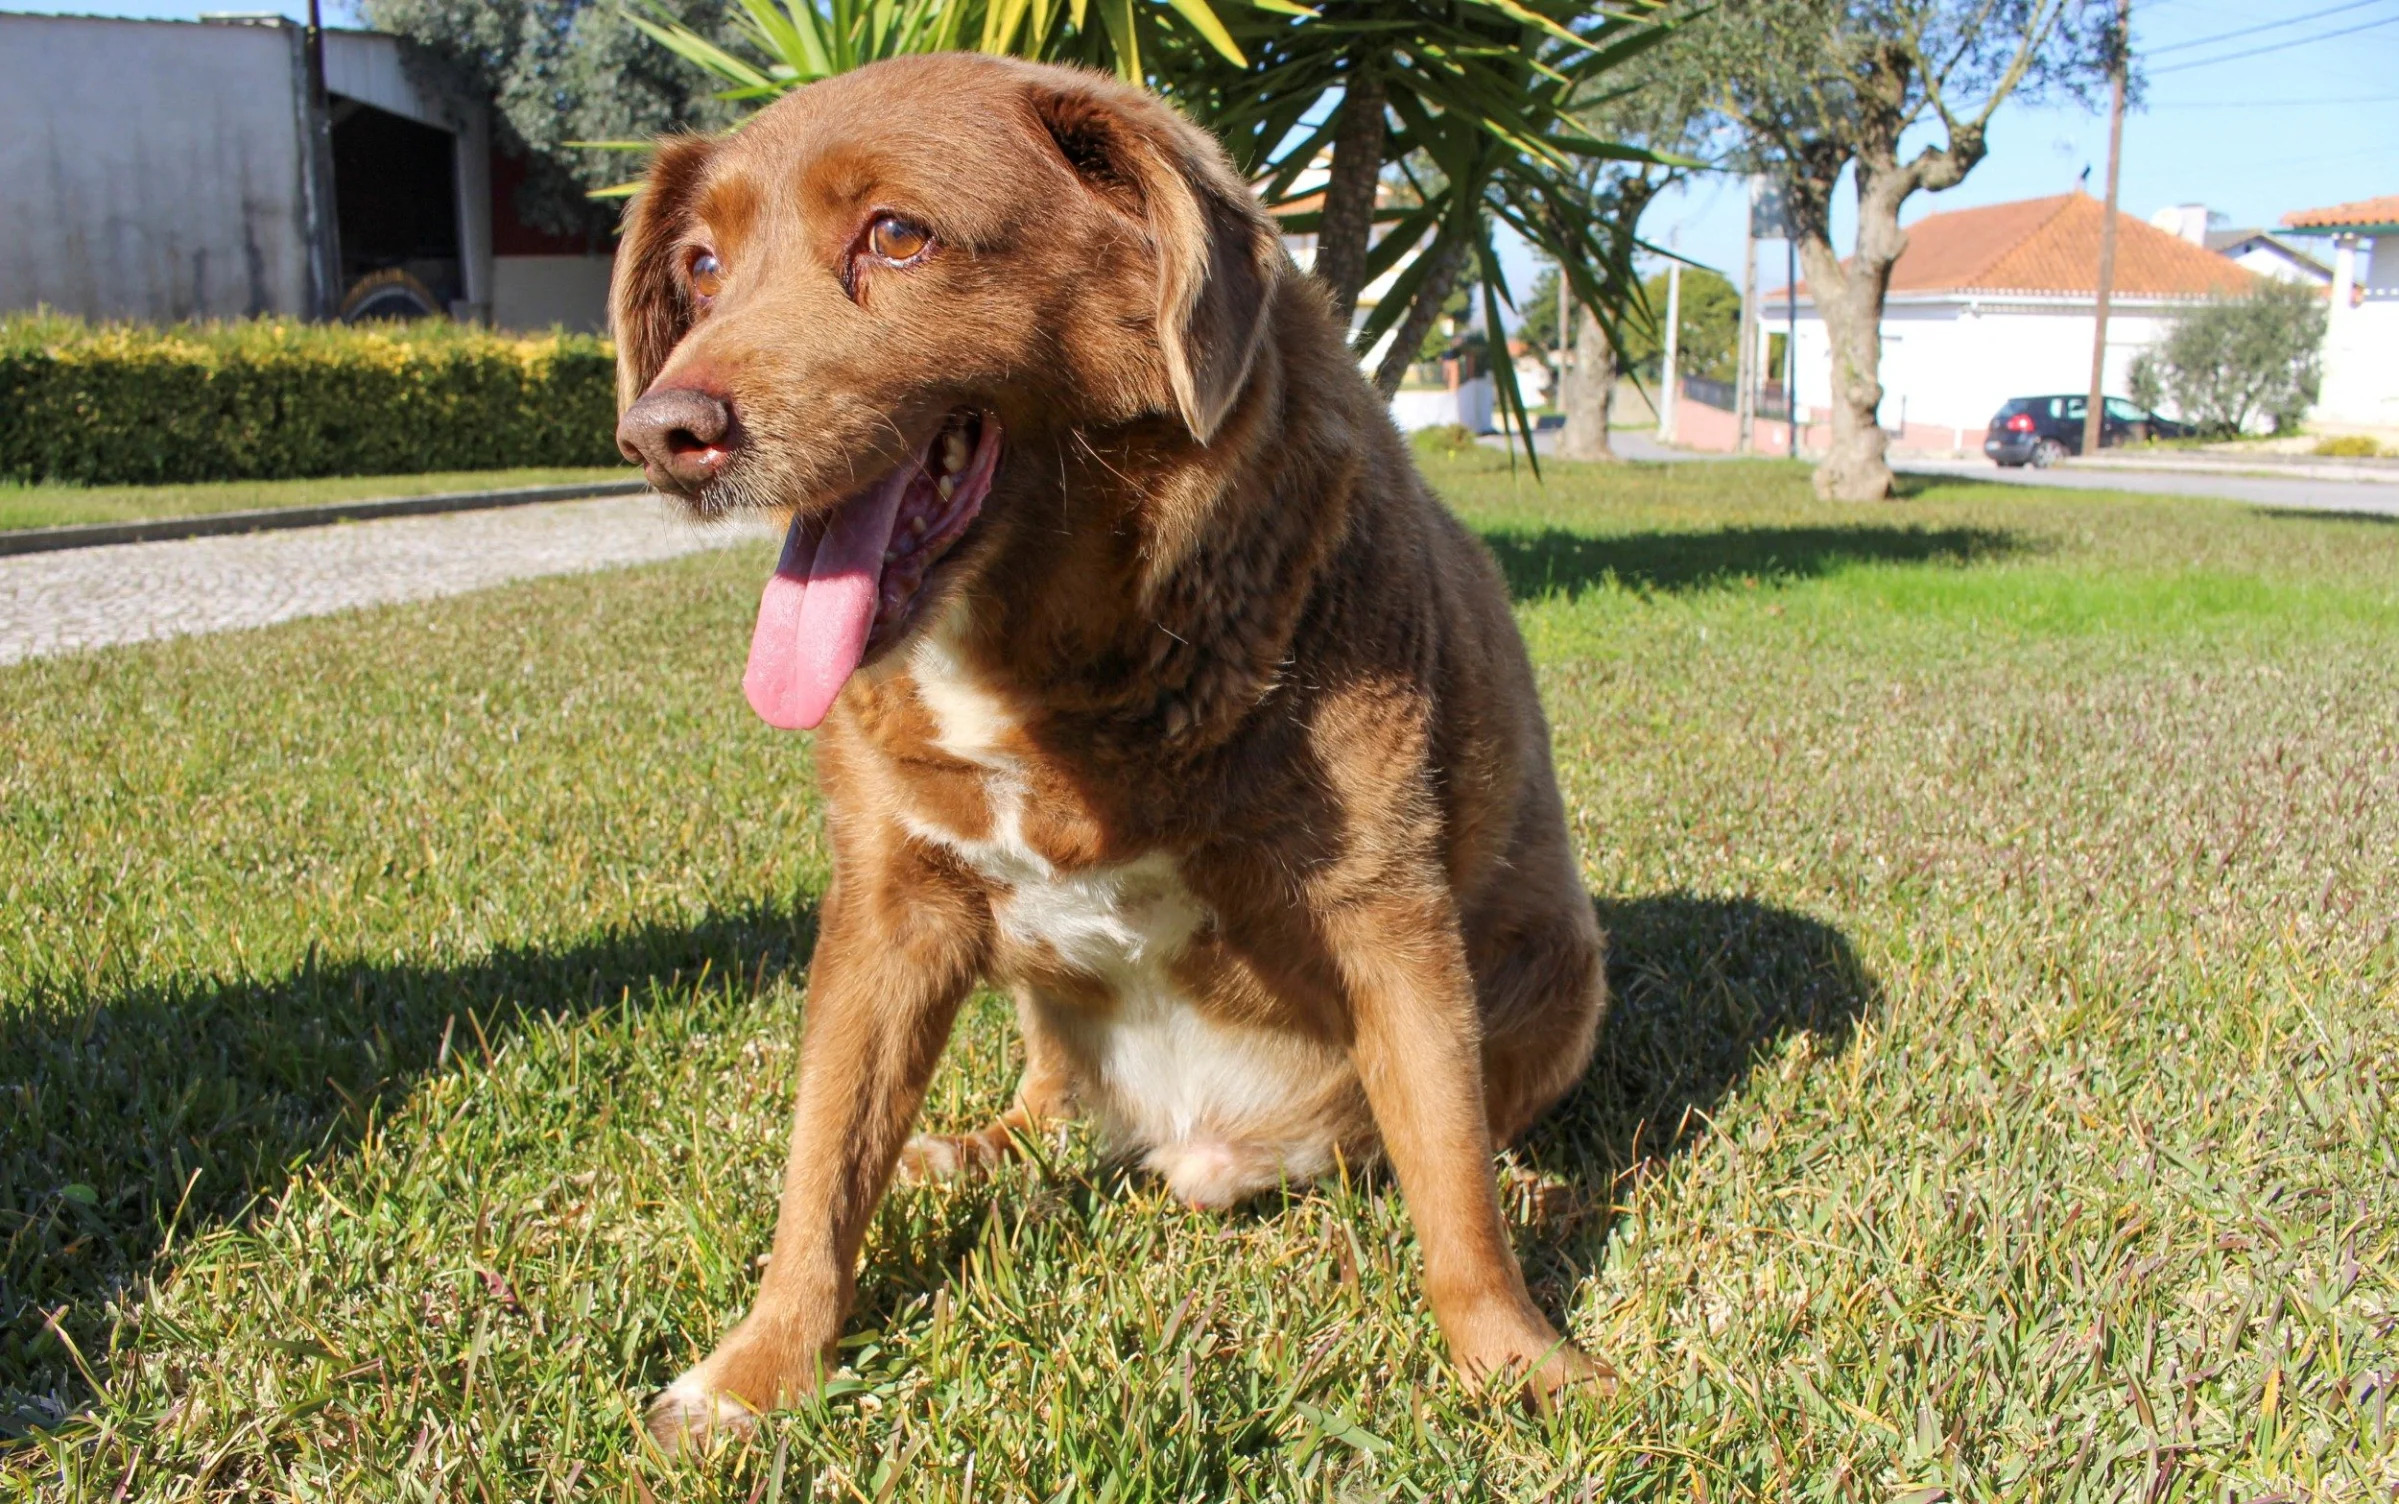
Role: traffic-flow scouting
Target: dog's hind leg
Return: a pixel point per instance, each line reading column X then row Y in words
column 1044, row 1094
column 1542, row 995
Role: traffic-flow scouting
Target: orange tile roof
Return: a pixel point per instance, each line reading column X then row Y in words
column 2051, row 245
column 2366, row 211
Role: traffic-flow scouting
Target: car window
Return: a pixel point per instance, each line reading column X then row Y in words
column 2125, row 412
column 2075, row 406
column 2050, row 407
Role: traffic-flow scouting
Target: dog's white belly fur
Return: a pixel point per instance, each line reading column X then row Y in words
column 1220, row 1111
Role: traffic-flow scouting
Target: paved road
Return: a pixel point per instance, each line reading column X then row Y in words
column 2363, row 498
column 134, row 592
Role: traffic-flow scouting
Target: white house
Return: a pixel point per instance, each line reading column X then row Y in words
column 1998, row 302
column 2252, row 249
column 2361, row 337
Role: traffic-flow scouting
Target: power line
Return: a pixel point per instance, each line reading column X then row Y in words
column 2268, row 104
column 2250, row 31
column 2242, row 57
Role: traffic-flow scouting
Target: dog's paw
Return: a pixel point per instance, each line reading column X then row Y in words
column 1539, row 1366
column 952, row 1156
column 1566, row 1371
column 691, row 1415
column 933, row 1156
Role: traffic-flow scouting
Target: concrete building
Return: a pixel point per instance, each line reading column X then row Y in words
column 2361, row 336
column 1998, row 302
column 167, row 170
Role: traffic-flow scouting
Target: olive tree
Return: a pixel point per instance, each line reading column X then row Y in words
column 2232, row 362
column 1898, row 95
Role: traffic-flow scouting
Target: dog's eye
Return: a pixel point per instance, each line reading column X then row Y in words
column 707, row 275
column 897, row 240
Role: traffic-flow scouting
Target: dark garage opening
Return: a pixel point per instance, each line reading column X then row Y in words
column 395, row 198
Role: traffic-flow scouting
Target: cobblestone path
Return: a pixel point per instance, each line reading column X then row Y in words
column 134, row 592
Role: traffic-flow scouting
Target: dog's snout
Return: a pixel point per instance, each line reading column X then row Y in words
column 680, row 436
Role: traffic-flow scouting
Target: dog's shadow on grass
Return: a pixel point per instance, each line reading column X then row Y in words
column 155, row 1115
column 1701, row 991
column 151, row 1116
column 1556, row 562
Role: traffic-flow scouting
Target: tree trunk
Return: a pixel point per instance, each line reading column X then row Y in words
column 1588, row 390
column 1346, row 231
column 1849, row 298
column 1854, row 468
column 1850, row 301
column 1430, row 295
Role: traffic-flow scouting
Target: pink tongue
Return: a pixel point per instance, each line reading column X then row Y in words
column 816, row 613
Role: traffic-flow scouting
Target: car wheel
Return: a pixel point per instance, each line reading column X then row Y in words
column 2047, row 453
column 388, row 295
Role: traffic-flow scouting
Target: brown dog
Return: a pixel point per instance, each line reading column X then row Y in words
column 1155, row 684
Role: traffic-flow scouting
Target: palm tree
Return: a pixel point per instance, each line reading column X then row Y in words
column 796, row 42
column 1475, row 105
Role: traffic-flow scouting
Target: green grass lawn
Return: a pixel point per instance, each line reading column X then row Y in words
column 397, row 1019
column 23, row 506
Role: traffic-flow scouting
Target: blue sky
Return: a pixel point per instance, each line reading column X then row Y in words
column 2302, row 110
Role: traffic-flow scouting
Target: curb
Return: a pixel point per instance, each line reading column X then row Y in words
column 37, row 540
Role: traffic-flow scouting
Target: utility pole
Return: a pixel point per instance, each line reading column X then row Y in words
column 2093, row 426
column 1746, row 362
column 1557, row 396
column 1791, row 344
column 1669, row 384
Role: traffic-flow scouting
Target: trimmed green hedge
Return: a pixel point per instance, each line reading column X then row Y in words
column 130, row 404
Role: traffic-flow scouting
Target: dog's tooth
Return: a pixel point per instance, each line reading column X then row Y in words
column 890, row 554
column 946, row 485
column 953, row 450
column 916, row 525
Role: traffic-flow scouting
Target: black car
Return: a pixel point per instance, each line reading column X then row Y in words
column 2043, row 430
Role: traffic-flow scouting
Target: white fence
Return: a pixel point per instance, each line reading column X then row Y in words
column 1470, row 404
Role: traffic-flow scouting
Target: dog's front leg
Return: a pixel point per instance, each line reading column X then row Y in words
column 1416, row 1043
column 884, row 989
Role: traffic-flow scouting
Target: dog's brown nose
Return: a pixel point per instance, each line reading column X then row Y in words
column 679, row 436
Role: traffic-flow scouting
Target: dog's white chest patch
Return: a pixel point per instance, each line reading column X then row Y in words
column 1124, row 923
column 1211, row 1106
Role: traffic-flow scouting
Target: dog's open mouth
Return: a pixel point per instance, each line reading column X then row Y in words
column 850, row 578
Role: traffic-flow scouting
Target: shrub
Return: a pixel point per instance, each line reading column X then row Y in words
column 2349, row 446
column 2228, row 363
column 270, row 399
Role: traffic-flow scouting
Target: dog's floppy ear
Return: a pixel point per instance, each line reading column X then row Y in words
column 647, row 309
column 1216, row 248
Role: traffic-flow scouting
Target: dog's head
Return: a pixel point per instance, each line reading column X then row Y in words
column 857, row 304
